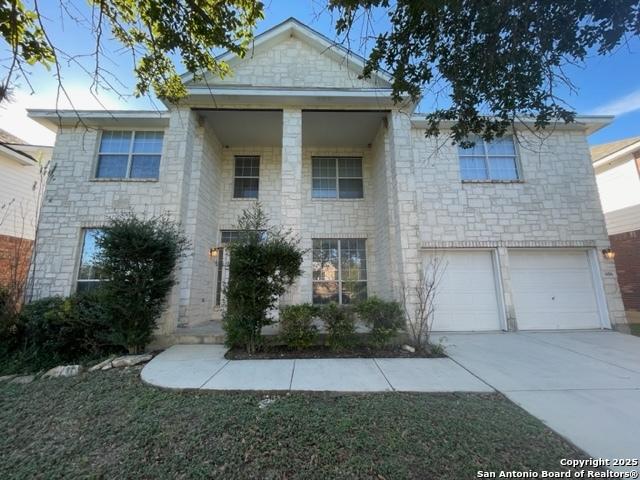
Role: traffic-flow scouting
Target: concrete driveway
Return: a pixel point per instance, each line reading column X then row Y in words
column 584, row 385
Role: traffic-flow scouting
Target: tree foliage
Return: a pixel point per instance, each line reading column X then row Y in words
column 137, row 259
column 150, row 30
column 497, row 61
column 264, row 262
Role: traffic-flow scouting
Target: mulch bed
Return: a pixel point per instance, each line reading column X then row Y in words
column 272, row 352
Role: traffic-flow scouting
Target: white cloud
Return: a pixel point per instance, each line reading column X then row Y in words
column 13, row 115
column 626, row 104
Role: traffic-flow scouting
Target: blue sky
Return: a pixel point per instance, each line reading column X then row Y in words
column 605, row 85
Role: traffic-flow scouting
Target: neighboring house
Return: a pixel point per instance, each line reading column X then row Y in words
column 19, row 172
column 617, row 167
column 330, row 156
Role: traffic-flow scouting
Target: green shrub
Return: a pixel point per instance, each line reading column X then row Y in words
column 385, row 319
column 264, row 262
column 340, row 325
column 138, row 257
column 56, row 330
column 296, row 326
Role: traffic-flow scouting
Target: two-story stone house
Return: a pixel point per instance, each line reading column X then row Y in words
column 330, row 156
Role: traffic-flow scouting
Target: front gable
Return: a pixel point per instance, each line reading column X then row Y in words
column 292, row 55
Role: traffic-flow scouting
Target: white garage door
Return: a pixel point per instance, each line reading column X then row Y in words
column 553, row 289
column 466, row 299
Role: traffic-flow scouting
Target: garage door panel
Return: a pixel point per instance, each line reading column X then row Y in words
column 549, row 260
column 466, row 297
column 542, row 280
column 553, row 290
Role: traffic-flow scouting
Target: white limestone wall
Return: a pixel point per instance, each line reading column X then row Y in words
column 338, row 218
column 269, row 187
column 383, row 216
column 201, row 225
column 74, row 199
column 292, row 63
column 554, row 205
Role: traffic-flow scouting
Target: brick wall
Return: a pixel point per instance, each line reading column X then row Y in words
column 15, row 257
column 627, row 249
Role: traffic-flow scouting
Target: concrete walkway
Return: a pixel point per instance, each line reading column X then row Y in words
column 584, row 385
column 204, row 367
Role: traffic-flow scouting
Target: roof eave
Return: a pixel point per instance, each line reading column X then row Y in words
column 617, row 154
column 587, row 123
column 53, row 119
column 22, row 158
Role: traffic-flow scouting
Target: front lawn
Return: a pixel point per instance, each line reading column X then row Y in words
column 635, row 329
column 110, row 425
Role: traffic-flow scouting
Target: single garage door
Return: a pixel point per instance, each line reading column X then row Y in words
column 466, row 298
column 553, row 290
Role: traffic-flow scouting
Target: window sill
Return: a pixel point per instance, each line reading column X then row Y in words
column 313, row 199
column 126, row 180
column 492, row 181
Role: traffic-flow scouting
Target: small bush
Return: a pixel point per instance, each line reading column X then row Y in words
column 385, row 319
column 57, row 330
column 296, row 326
column 264, row 262
column 340, row 325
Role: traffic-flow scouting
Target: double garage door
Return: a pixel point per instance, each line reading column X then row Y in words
column 552, row 289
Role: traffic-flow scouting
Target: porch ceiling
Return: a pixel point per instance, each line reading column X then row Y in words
column 237, row 128
column 330, row 128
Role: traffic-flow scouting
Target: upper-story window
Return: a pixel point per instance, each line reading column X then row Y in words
column 246, row 182
column 336, row 177
column 495, row 160
column 129, row 154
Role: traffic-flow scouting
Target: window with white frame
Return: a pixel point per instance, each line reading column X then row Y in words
column 339, row 270
column 336, row 177
column 88, row 272
column 246, row 182
column 495, row 160
column 129, row 154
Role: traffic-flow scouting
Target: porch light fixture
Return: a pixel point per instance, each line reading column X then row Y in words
column 608, row 254
column 213, row 253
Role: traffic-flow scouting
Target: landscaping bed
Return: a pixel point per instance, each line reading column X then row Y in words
column 110, row 425
column 271, row 352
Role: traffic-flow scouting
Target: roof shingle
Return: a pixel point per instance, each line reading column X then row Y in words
column 600, row 151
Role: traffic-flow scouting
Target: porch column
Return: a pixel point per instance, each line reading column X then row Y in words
column 178, row 154
column 404, row 233
column 291, row 182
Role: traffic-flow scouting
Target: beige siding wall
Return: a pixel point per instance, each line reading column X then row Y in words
column 17, row 198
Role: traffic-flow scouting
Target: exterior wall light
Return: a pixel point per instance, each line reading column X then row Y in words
column 213, row 253
column 608, row 254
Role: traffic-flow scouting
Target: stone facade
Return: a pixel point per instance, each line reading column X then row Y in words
column 414, row 200
column 555, row 204
column 293, row 63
